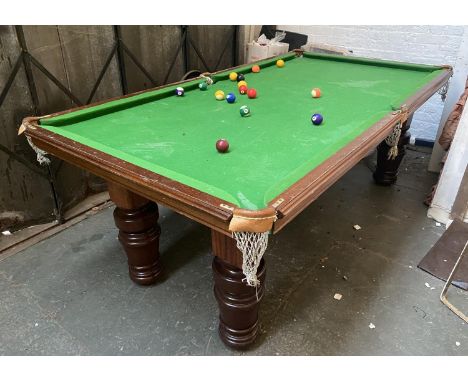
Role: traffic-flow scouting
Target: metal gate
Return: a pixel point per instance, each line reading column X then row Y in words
column 45, row 69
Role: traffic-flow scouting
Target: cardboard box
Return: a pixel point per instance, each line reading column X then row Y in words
column 257, row 52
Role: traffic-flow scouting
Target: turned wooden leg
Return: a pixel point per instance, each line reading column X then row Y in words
column 387, row 169
column 136, row 218
column 238, row 302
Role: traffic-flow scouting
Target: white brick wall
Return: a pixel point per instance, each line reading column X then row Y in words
column 434, row 44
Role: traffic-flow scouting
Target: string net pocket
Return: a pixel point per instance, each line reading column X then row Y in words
column 443, row 91
column 41, row 154
column 392, row 140
column 252, row 245
column 207, row 79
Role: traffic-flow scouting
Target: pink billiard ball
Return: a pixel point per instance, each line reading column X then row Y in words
column 251, row 93
column 222, row 145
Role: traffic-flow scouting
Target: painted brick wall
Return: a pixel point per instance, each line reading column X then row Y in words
column 414, row 43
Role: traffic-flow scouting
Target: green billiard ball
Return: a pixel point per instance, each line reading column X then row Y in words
column 244, row 111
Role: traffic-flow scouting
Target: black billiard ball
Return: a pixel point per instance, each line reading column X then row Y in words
column 240, row 77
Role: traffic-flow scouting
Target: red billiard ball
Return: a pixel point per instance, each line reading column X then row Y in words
column 251, row 93
column 222, row 145
column 242, row 89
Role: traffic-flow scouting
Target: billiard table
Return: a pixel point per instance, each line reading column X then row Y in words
column 157, row 147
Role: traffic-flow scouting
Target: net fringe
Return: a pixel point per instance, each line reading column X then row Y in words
column 41, row 154
column 444, row 90
column 392, row 140
column 207, row 79
column 252, row 245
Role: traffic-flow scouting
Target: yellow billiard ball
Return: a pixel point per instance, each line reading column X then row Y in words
column 219, row 95
column 240, row 83
column 280, row 63
column 233, row 76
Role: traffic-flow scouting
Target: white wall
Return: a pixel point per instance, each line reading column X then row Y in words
column 413, row 43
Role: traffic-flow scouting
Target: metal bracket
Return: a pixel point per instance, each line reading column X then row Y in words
column 277, row 203
column 226, row 207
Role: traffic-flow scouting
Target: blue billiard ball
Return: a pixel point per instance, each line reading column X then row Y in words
column 231, row 98
column 317, row 119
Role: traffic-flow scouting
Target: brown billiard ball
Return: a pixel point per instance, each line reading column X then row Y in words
column 222, row 145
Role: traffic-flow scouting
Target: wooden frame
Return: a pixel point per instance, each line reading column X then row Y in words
column 209, row 210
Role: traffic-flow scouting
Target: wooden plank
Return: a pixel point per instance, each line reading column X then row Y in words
column 460, row 205
column 47, row 230
column 90, row 203
column 24, row 196
column 154, row 46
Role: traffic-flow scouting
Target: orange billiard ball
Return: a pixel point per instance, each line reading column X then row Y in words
column 255, row 69
column 316, row 93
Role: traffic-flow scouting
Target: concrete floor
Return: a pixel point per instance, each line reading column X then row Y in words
column 70, row 294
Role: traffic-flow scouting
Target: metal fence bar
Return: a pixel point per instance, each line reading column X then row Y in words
column 185, row 48
column 26, row 163
column 198, row 54
column 11, row 78
column 58, row 212
column 235, row 46
column 101, row 74
column 57, row 169
column 121, row 59
column 51, row 77
column 137, row 63
column 27, row 68
column 181, row 43
column 227, row 40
